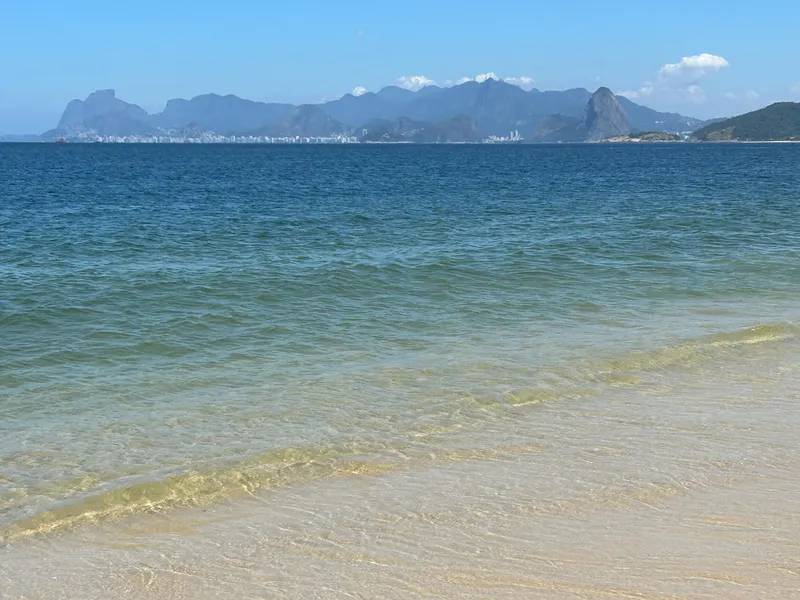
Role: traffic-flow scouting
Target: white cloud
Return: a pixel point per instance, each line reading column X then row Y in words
column 359, row 90
column 414, row 82
column 693, row 67
column 746, row 95
column 523, row 81
column 480, row 78
column 484, row 76
column 795, row 89
column 681, row 77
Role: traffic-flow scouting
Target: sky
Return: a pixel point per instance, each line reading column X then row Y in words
column 702, row 59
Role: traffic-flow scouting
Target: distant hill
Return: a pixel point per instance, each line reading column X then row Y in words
column 100, row 103
column 220, row 114
column 776, row 122
column 559, row 128
column 104, row 112
column 494, row 107
column 307, row 120
column 388, row 103
column 603, row 117
column 647, row 136
column 643, row 118
column 458, row 129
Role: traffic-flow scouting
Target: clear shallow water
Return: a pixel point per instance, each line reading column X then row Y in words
column 183, row 326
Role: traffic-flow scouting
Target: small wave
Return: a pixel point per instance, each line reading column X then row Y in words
column 589, row 377
column 291, row 466
column 699, row 349
column 271, row 469
column 274, row 469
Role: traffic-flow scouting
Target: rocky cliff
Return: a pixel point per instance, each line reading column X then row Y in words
column 604, row 116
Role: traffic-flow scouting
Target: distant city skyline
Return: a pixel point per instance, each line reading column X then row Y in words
column 702, row 60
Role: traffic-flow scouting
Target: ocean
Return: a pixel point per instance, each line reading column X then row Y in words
column 404, row 371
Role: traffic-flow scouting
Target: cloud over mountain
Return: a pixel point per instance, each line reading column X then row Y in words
column 480, row 78
column 414, row 82
column 484, row 76
column 524, row 82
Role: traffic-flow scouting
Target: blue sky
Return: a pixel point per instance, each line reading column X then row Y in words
column 702, row 59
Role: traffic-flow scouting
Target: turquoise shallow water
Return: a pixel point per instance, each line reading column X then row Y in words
column 183, row 324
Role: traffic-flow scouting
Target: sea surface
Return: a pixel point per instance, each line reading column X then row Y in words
column 400, row 371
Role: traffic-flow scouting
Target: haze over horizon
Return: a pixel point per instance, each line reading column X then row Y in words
column 695, row 60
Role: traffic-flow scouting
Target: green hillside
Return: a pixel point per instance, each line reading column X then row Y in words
column 776, row 122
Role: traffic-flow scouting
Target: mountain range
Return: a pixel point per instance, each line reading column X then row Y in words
column 467, row 112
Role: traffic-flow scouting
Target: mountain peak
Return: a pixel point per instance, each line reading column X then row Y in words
column 393, row 93
column 221, row 114
column 100, row 106
column 108, row 94
column 605, row 116
column 393, row 89
column 498, row 84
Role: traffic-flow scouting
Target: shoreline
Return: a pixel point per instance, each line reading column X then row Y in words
column 372, row 143
column 629, row 493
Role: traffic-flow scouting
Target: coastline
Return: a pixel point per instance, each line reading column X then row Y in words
column 680, row 486
column 399, row 143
